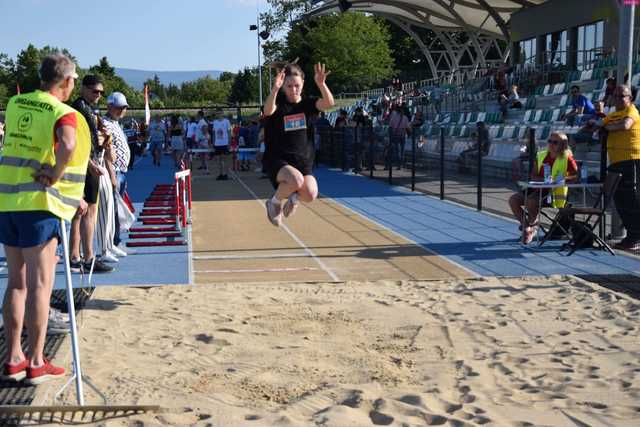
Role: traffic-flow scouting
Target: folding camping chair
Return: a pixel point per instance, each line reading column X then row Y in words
column 581, row 231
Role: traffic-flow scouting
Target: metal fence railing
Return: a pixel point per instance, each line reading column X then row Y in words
column 449, row 167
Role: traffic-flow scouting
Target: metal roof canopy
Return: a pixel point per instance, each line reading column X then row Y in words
column 490, row 17
column 484, row 21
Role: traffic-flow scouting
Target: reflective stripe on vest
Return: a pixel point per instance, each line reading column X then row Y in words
column 17, row 162
column 30, row 121
column 37, row 187
column 559, row 168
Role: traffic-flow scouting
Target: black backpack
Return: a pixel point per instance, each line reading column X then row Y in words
column 581, row 235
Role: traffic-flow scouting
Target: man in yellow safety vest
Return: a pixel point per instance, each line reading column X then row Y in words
column 42, row 175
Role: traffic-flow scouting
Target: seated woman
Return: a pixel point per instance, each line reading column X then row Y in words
column 563, row 168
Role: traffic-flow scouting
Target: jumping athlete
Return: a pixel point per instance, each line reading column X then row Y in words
column 289, row 153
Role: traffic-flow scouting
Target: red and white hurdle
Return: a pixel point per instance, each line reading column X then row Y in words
column 166, row 214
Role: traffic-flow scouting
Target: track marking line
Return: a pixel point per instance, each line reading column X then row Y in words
column 225, row 257
column 257, row 270
column 322, row 265
column 429, row 250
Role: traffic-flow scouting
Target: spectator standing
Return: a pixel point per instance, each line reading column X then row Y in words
column 157, row 136
column 342, row 120
column 581, row 106
column 177, row 140
column 106, row 226
column 116, row 109
column 222, row 135
column 623, row 146
column 201, row 136
column 46, row 150
column 131, row 132
column 191, row 129
column 398, row 129
column 83, row 226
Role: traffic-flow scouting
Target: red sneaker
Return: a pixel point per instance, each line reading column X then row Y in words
column 15, row 373
column 43, row 373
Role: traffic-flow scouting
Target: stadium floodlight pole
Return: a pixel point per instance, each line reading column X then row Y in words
column 625, row 67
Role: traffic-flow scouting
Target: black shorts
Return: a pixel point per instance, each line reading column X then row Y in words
column 221, row 150
column 273, row 167
column 91, row 187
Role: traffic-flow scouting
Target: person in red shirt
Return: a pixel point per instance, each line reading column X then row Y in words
column 557, row 146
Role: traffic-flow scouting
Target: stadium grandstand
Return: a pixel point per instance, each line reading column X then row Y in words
column 476, row 51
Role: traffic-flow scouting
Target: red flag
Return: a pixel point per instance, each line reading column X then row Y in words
column 18, row 88
column 147, row 111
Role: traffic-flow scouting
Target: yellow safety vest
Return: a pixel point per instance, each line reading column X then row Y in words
column 559, row 168
column 29, row 144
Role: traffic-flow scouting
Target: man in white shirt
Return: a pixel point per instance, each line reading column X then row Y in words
column 222, row 137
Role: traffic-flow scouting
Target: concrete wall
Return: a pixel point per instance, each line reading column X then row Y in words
column 556, row 15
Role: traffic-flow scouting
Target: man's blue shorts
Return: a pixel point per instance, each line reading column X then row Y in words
column 28, row 229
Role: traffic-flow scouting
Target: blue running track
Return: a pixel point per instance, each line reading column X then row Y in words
column 483, row 243
column 143, row 266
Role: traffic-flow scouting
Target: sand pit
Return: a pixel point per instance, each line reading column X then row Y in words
column 505, row 352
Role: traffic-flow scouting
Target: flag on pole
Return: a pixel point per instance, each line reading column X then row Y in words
column 18, row 88
column 147, row 111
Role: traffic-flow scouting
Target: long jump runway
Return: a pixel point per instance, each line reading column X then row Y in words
column 234, row 242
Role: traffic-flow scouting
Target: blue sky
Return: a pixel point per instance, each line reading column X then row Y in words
column 162, row 35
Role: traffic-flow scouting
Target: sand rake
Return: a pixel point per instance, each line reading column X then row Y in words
column 14, row 415
column 62, row 413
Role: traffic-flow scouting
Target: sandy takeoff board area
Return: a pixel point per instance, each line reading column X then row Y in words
column 232, row 241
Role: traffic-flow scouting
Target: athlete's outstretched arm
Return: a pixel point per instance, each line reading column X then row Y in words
column 326, row 101
column 270, row 104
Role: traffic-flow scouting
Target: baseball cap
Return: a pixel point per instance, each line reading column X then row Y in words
column 117, row 99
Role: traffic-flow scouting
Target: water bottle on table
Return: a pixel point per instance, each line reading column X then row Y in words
column 547, row 173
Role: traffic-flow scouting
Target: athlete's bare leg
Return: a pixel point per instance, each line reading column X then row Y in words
column 309, row 190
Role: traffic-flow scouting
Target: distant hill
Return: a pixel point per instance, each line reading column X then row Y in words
column 136, row 78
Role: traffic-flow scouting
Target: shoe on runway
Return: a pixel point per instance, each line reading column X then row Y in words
column 274, row 212
column 289, row 208
column 108, row 257
column 99, row 267
column 118, row 252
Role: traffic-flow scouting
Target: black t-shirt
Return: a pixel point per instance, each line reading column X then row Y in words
column 84, row 108
column 288, row 133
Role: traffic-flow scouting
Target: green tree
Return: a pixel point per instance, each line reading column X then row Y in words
column 103, row 68
column 354, row 46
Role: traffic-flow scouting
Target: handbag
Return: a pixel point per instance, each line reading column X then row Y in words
column 125, row 216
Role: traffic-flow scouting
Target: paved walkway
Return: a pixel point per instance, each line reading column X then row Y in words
column 483, row 243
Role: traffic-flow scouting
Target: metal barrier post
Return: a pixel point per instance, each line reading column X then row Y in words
column 532, row 152
column 356, row 145
column 371, row 151
column 479, row 205
column 604, row 134
column 413, row 159
column 332, row 157
column 441, row 163
column 390, row 157
column 344, row 149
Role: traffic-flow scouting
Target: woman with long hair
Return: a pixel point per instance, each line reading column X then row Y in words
column 290, row 150
column 177, row 141
column 558, row 159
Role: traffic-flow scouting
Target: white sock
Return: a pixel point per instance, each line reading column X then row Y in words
column 294, row 198
column 275, row 200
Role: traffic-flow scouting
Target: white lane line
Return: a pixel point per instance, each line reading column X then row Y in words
column 322, row 265
column 273, row 256
column 257, row 270
column 431, row 251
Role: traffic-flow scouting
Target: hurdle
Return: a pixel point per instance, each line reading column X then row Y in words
column 166, row 214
